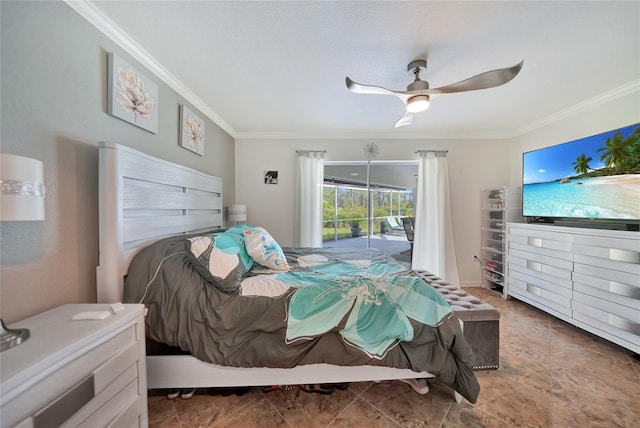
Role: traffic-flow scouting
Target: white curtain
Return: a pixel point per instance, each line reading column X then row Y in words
column 433, row 245
column 308, row 214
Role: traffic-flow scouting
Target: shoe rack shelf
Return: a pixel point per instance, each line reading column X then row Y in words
column 499, row 206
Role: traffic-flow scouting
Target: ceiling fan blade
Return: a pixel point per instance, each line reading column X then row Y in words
column 406, row 119
column 359, row 88
column 488, row 79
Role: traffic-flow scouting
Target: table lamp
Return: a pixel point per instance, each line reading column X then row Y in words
column 237, row 213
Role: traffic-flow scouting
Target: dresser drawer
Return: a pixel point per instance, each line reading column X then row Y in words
column 609, row 274
column 541, row 263
column 622, row 248
column 538, row 296
column 104, row 414
column 540, row 276
column 113, row 379
column 542, row 239
column 80, row 373
column 612, row 265
column 628, row 330
column 620, row 291
column 564, row 258
column 63, row 393
column 624, row 313
column 561, row 287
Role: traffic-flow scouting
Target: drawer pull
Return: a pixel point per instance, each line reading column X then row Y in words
column 534, row 290
column 624, row 324
column 624, row 290
column 534, row 242
column 534, row 266
column 56, row 413
column 624, row 256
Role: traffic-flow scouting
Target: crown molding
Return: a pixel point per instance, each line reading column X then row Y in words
column 418, row 135
column 619, row 92
column 91, row 13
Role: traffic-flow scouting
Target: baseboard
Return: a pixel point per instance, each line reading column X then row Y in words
column 469, row 284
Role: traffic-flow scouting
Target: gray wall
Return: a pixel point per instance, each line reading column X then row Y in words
column 53, row 91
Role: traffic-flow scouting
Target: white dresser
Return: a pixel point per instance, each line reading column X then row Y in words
column 89, row 373
column 587, row 277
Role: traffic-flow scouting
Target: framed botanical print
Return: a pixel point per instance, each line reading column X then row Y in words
column 191, row 131
column 132, row 96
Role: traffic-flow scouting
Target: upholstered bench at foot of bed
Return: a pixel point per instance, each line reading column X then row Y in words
column 481, row 321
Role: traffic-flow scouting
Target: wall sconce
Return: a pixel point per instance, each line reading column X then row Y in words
column 21, row 199
column 21, row 189
column 237, row 213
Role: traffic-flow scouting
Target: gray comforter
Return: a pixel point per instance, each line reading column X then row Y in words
column 336, row 306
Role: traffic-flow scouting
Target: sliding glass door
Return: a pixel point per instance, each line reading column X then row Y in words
column 361, row 200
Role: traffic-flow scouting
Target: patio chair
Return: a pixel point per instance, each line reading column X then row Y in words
column 393, row 223
column 407, row 224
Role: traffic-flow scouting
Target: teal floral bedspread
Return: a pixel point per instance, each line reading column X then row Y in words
column 376, row 301
column 343, row 307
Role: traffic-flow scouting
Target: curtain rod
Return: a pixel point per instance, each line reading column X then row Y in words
column 310, row 151
column 437, row 153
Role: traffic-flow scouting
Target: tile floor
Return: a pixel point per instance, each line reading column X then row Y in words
column 551, row 375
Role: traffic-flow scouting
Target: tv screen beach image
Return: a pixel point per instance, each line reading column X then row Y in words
column 595, row 177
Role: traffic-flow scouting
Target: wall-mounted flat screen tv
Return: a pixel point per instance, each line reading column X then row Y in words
column 597, row 177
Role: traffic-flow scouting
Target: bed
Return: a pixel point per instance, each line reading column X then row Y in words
column 155, row 216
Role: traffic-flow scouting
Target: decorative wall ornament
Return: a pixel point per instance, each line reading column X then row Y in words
column 132, row 97
column 191, row 131
column 371, row 151
column 271, row 177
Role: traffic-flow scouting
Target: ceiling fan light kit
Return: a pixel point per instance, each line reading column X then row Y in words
column 416, row 97
column 418, row 103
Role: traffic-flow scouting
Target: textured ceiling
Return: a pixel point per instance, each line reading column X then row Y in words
column 279, row 68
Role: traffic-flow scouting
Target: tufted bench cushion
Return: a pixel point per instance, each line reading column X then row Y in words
column 481, row 321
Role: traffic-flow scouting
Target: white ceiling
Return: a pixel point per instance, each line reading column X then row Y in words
column 278, row 68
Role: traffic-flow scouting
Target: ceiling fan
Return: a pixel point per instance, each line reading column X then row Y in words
column 416, row 97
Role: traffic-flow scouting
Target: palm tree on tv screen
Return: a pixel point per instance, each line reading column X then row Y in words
column 615, row 152
column 581, row 164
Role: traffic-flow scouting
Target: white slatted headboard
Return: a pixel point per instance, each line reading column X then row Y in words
column 143, row 199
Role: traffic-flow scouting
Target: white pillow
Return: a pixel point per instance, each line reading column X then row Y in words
column 263, row 249
column 264, row 286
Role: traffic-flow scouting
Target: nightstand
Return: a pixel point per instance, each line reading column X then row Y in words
column 76, row 373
